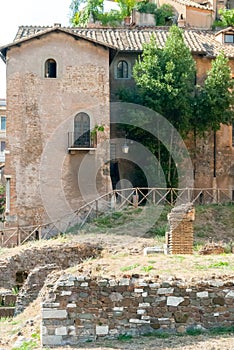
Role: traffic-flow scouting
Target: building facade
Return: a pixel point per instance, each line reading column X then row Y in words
column 60, row 82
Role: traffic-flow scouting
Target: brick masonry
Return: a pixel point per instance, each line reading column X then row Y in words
column 78, row 309
column 40, row 113
column 180, row 237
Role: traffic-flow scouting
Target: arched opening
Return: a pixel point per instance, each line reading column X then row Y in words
column 82, row 130
column 122, row 70
column 50, row 68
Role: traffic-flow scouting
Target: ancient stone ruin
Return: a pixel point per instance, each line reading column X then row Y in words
column 81, row 308
column 179, row 239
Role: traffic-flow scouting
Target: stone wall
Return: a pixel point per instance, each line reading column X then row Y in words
column 78, row 309
column 40, row 113
column 16, row 269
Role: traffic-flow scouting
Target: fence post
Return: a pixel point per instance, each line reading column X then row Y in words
column 96, row 206
column 153, row 196
column 135, row 198
column 19, row 236
column 171, row 196
column 39, row 233
column 190, row 194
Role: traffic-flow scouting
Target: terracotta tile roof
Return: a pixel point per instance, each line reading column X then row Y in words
column 205, row 6
column 133, row 39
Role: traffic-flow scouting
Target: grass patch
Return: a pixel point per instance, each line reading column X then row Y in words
column 194, row 331
column 222, row 330
column 147, row 268
column 125, row 337
column 161, row 335
column 218, row 265
column 30, row 345
column 179, row 258
column 130, row 267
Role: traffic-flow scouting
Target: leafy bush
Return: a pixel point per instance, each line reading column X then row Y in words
column 146, row 7
column 164, row 15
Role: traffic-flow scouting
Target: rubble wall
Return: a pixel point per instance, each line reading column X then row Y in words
column 80, row 309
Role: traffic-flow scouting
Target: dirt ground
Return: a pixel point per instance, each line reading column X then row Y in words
column 123, row 255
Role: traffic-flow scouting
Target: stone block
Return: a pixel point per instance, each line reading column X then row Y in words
column 51, row 340
column 153, row 250
column 230, row 294
column 165, row 290
column 102, row 330
column 136, row 320
column 144, row 304
column 66, row 293
column 84, row 284
column 116, row 296
column 204, row 294
column 71, row 305
column 7, row 311
column 174, row 301
column 141, row 312
column 113, row 283
column 118, row 308
column 124, row 282
column 61, row 331
column 52, row 313
column 71, row 330
column 181, row 317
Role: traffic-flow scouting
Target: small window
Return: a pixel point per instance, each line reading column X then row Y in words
column 50, row 68
column 82, row 130
column 3, row 123
column 229, row 38
column 122, row 70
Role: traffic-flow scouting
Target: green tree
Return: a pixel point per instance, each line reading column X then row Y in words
column 91, row 9
column 215, row 102
column 226, row 18
column 164, row 15
column 216, row 98
column 165, row 78
column 126, row 7
column 82, row 11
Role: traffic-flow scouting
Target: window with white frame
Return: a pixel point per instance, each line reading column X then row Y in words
column 229, row 38
column 3, row 122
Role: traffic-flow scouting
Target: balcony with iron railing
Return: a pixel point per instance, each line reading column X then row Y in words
column 84, row 142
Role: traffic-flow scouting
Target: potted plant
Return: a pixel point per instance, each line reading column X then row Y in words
column 126, row 7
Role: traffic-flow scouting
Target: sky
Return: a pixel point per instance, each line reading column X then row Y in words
column 15, row 13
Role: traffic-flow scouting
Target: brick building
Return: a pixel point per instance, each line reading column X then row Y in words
column 60, row 82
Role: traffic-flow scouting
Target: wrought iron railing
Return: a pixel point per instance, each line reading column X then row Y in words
column 77, row 141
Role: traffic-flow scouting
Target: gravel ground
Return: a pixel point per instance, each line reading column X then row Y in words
column 201, row 342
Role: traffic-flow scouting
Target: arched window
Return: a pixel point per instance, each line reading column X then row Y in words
column 50, row 68
column 122, row 70
column 82, row 130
